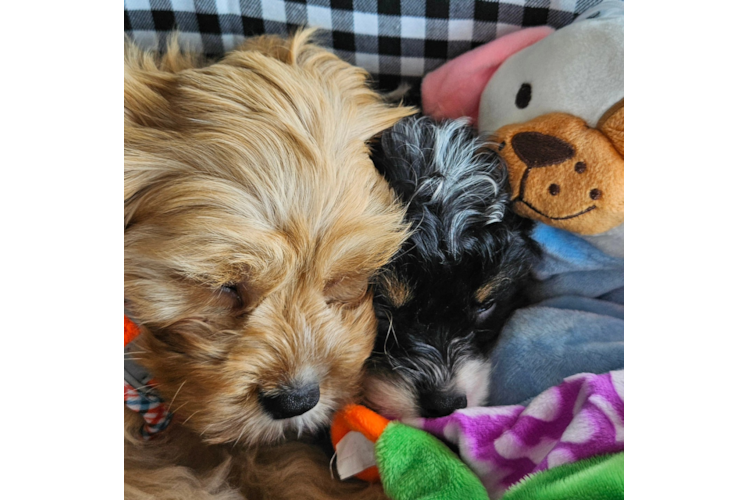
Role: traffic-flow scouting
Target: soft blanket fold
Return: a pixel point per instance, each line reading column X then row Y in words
column 542, row 345
column 575, row 324
column 580, row 418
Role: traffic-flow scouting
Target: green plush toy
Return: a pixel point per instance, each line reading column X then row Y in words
column 412, row 464
column 595, row 478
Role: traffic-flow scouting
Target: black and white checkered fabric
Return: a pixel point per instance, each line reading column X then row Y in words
column 394, row 40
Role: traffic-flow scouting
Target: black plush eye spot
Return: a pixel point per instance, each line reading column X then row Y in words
column 524, row 94
column 502, row 145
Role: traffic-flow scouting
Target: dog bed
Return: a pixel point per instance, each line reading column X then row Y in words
column 395, row 40
column 399, row 41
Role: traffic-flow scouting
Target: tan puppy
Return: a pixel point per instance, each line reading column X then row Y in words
column 254, row 220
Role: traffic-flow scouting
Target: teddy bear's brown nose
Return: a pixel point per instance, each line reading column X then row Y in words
column 541, row 150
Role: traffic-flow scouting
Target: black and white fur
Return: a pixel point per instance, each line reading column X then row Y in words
column 443, row 299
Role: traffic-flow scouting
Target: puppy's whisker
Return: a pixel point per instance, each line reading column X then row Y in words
column 175, row 395
column 191, row 415
column 207, row 428
column 334, row 456
column 236, row 441
column 180, row 407
column 392, row 329
column 412, row 230
column 146, row 387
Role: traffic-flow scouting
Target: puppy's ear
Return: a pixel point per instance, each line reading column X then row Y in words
column 149, row 80
column 146, row 108
column 377, row 118
column 286, row 50
column 146, row 90
column 370, row 113
column 136, row 187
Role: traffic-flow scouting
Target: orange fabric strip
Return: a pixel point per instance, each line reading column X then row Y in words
column 131, row 331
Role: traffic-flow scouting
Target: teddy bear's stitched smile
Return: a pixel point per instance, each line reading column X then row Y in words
column 588, row 209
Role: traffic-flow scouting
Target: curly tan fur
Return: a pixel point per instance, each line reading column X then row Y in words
column 254, row 221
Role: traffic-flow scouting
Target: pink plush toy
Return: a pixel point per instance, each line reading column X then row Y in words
column 455, row 88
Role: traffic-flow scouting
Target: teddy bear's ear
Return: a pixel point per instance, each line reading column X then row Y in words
column 454, row 90
column 611, row 124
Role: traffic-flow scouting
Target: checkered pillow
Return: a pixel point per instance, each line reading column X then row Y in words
column 395, row 40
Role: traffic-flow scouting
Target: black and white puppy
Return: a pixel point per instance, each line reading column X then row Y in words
column 443, row 299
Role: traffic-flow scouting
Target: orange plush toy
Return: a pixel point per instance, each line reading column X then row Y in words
column 362, row 420
column 412, row 464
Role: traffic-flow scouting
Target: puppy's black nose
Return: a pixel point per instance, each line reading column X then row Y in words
column 290, row 401
column 437, row 404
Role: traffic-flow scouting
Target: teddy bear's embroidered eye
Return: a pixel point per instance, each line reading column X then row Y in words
column 580, row 167
column 524, row 94
column 595, row 194
column 554, row 189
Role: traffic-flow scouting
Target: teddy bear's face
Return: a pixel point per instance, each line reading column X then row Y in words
column 557, row 106
column 564, row 173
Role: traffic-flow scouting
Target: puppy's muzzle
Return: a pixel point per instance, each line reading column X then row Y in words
column 290, row 401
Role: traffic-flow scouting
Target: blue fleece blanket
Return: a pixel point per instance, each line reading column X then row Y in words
column 575, row 324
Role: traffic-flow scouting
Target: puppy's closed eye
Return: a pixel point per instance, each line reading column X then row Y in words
column 237, row 297
column 230, row 294
column 487, row 296
column 483, row 311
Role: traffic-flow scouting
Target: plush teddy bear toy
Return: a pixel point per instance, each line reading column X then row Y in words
column 553, row 102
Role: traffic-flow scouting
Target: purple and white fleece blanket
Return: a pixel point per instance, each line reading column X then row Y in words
column 581, row 417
